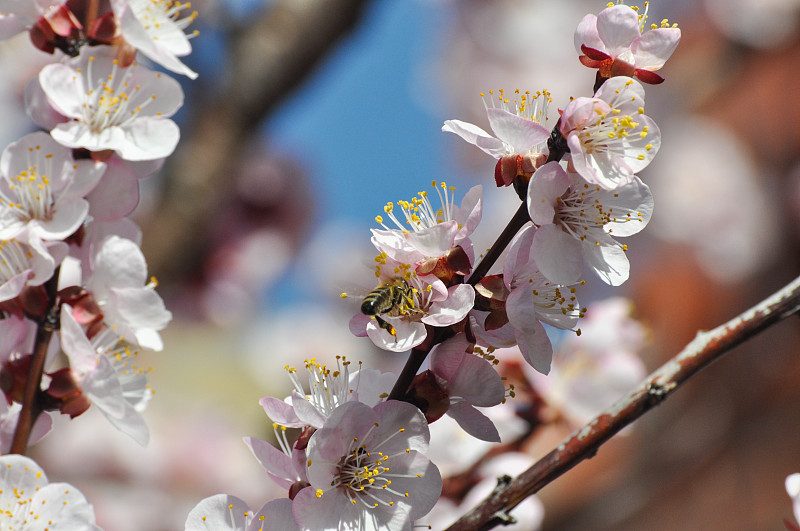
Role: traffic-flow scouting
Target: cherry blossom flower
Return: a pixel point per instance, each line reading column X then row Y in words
column 117, row 193
column 609, row 137
column 591, row 371
column 469, row 380
column 106, row 107
column 328, row 389
column 533, row 300
column 27, row 261
column 615, row 43
column 367, row 470
column 429, row 303
column 520, row 138
column 793, row 490
column 107, row 377
column 578, row 221
column 130, row 305
column 43, row 188
column 223, row 512
column 429, row 236
column 29, row 502
column 156, row 29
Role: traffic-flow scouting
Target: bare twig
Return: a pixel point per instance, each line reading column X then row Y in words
column 584, row 443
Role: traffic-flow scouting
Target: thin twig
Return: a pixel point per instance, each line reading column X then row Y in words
column 584, row 443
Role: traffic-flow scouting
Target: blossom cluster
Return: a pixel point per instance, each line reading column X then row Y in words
column 351, row 447
column 76, row 300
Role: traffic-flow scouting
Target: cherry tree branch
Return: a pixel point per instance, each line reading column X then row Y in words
column 584, row 443
column 31, row 406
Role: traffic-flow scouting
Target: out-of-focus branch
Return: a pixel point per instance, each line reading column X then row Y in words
column 584, row 443
column 270, row 56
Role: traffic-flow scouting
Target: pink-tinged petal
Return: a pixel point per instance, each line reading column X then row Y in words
column 142, row 308
column 330, row 511
column 86, row 177
column 580, row 111
column 38, row 107
column 372, row 385
column 546, row 186
column 16, row 335
column 82, row 356
column 65, row 220
column 170, row 45
column 307, row 413
column 522, row 134
column 434, row 241
column 519, row 261
column 394, row 413
column 469, row 214
column 475, row 136
column 617, row 27
column 633, row 202
column 280, row 412
column 474, row 422
column 358, row 325
column 62, row 87
column 654, row 47
column 586, row 34
column 117, row 194
column 278, row 465
column 531, row 336
column 558, row 255
column 11, row 25
column 275, row 515
column 606, row 258
column 468, row 376
column 149, row 138
column 622, row 93
column 395, row 245
column 334, row 439
column 13, row 286
column 129, row 422
column 119, row 263
column 459, row 302
column 500, row 338
column 409, row 335
column 221, row 512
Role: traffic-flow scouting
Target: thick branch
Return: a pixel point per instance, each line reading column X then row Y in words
column 584, row 443
column 271, row 56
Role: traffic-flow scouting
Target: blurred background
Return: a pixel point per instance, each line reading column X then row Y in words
column 309, row 115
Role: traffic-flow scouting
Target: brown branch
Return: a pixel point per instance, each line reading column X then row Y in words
column 584, row 443
column 31, row 405
column 271, row 56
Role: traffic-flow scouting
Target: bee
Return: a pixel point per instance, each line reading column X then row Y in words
column 393, row 297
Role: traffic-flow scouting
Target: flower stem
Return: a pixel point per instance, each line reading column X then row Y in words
column 520, row 218
column 584, row 443
column 31, row 401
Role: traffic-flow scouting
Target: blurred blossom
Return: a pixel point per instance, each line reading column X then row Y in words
column 591, row 371
column 793, row 489
column 454, row 450
column 498, row 41
column 528, row 515
column 29, row 502
column 276, row 339
column 762, row 24
column 718, row 205
column 191, row 455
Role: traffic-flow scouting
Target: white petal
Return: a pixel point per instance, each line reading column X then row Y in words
column 521, row 133
column 558, row 255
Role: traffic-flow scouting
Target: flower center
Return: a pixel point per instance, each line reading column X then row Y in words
column 524, row 104
column 419, row 213
column 328, row 388
column 160, row 16
column 110, row 101
column 32, row 188
column 553, row 300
